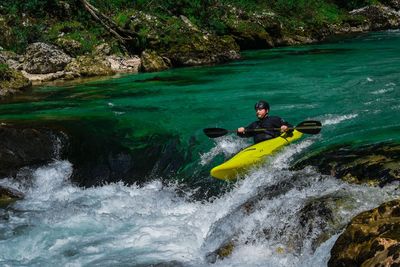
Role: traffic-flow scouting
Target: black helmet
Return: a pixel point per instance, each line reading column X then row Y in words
column 261, row 105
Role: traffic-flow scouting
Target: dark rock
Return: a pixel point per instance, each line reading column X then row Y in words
column 41, row 58
column 20, row 147
column 377, row 164
column 372, row 238
column 9, row 195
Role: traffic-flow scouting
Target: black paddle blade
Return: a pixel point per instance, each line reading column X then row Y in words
column 215, row 132
column 309, row 127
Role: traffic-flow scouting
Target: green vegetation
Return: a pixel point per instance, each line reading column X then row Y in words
column 24, row 22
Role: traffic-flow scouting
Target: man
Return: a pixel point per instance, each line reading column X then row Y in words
column 264, row 122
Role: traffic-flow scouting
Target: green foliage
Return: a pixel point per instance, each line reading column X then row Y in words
column 24, row 35
column 88, row 37
column 112, row 6
column 121, row 19
column 352, row 4
column 315, row 12
column 37, row 8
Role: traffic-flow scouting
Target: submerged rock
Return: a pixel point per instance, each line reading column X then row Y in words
column 377, row 164
column 371, row 239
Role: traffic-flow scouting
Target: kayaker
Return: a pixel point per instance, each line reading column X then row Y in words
column 264, row 121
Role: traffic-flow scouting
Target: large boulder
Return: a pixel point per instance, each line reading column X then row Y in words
column 41, row 58
column 89, row 66
column 21, row 147
column 377, row 164
column 371, row 239
column 151, row 61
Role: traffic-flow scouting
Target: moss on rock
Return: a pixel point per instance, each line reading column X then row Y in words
column 371, row 238
column 88, row 66
column 12, row 81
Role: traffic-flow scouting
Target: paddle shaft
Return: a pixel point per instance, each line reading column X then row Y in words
column 308, row 127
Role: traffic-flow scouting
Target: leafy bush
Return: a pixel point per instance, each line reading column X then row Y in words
column 309, row 11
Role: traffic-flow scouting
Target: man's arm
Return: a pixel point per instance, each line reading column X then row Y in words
column 244, row 131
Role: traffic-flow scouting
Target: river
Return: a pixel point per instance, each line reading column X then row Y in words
column 351, row 85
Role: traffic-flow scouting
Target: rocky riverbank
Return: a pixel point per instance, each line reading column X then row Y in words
column 175, row 42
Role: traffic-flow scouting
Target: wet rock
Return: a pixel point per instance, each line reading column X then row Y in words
column 151, row 62
column 9, row 195
column 100, row 155
column 41, row 58
column 89, row 66
column 377, row 164
column 372, row 238
column 20, row 146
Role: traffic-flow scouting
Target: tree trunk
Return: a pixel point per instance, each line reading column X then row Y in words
column 129, row 39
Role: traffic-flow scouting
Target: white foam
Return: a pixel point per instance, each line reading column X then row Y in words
column 227, row 145
column 333, row 119
column 382, row 91
column 116, row 224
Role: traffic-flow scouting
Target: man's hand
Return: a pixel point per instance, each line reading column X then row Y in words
column 241, row 130
column 284, row 128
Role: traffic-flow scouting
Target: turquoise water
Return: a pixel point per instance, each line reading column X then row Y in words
column 355, row 80
column 351, row 86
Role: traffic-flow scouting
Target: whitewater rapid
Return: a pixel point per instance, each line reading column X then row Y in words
column 60, row 224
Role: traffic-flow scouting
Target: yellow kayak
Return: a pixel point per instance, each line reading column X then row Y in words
column 252, row 156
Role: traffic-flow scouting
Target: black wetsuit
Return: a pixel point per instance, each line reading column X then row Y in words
column 266, row 122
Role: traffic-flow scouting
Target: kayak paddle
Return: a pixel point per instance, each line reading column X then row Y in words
column 307, row 127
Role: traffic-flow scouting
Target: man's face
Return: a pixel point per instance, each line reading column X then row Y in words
column 261, row 112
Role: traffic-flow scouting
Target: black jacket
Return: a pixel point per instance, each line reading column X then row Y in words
column 266, row 122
